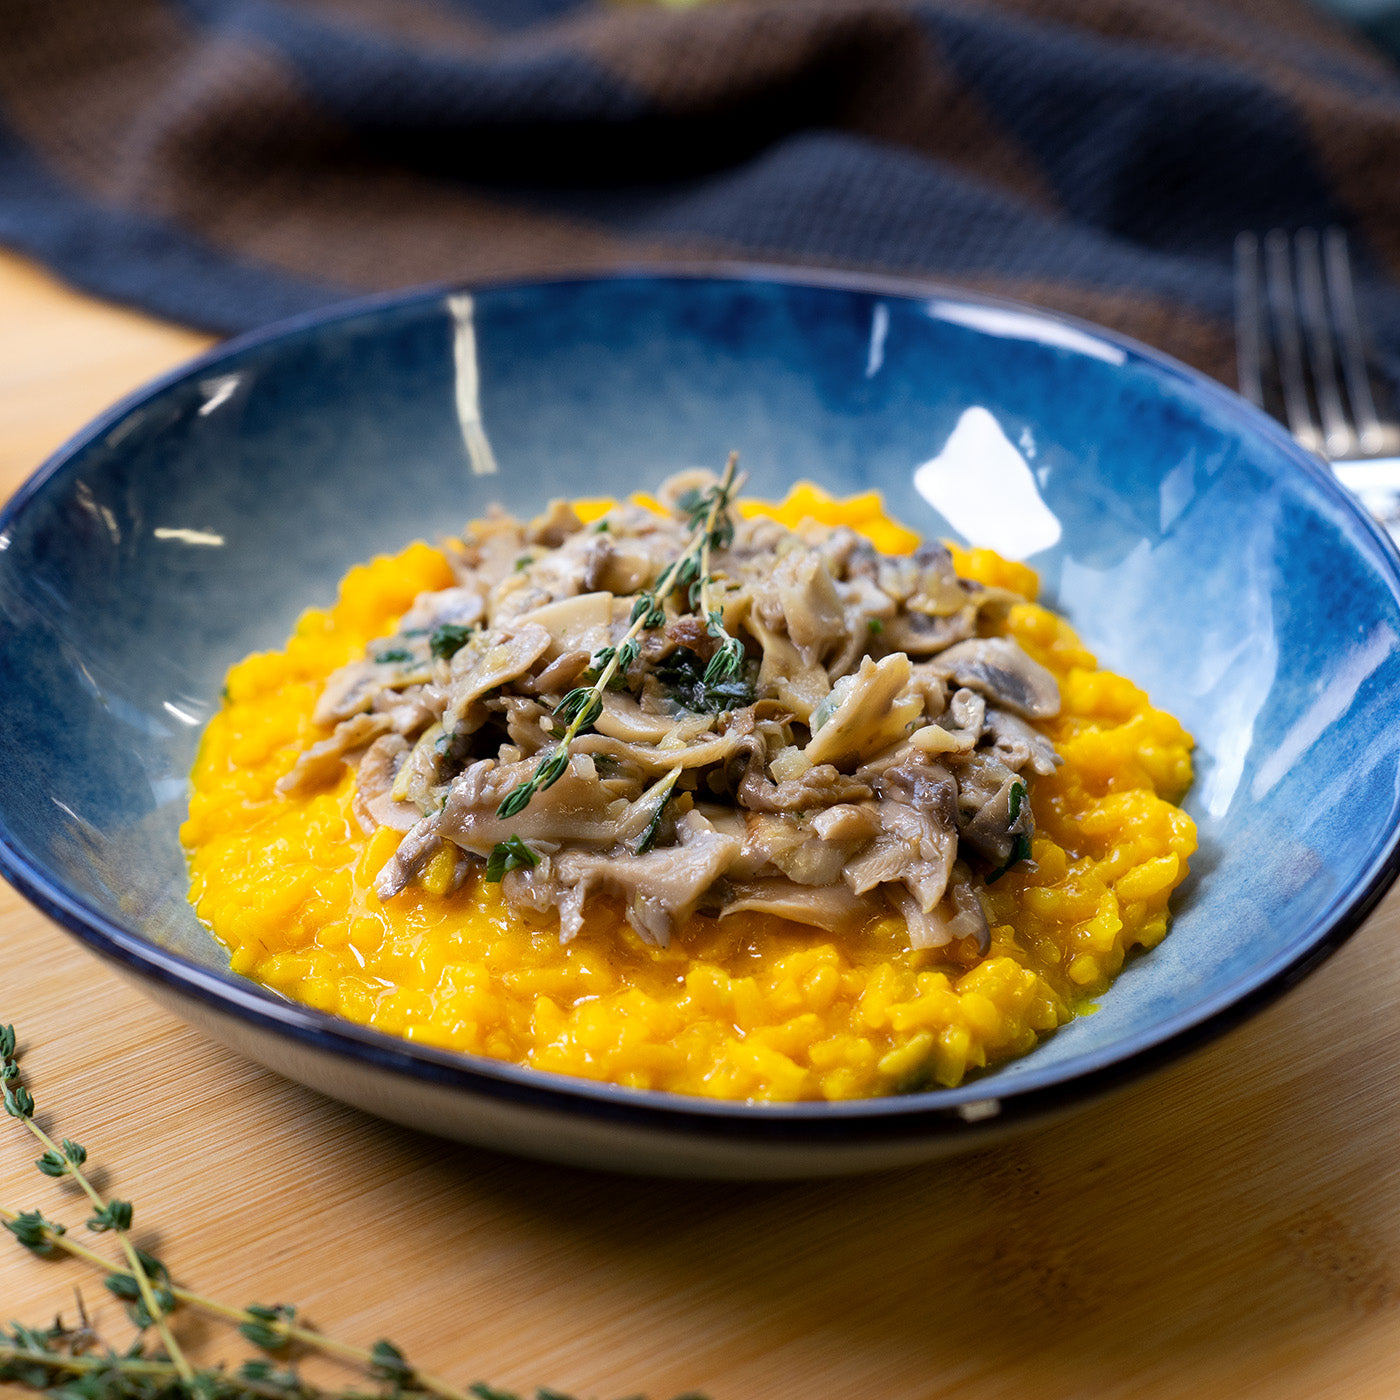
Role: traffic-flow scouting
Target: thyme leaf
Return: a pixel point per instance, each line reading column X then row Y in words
column 447, row 639
column 511, row 854
column 664, row 791
column 1021, row 848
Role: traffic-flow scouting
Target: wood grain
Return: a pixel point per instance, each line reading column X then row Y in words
column 1229, row 1227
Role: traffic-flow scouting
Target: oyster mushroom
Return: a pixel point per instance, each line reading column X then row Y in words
column 999, row 669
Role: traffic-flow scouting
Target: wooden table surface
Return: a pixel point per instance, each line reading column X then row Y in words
column 1229, row 1227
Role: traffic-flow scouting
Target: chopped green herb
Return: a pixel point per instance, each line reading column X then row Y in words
column 687, row 680
column 524, row 562
column 395, row 656
column 1021, row 850
column 653, row 827
column 511, row 854
column 448, row 639
column 874, row 626
column 602, row 527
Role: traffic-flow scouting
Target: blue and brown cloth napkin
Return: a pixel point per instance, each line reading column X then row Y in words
column 227, row 162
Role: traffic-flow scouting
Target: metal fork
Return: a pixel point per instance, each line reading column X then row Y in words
column 1297, row 331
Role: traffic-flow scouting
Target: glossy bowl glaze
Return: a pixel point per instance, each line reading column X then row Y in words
column 1193, row 546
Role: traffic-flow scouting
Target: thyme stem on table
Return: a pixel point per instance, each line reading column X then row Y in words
column 115, row 1215
column 74, row 1364
column 712, row 529
column 49, row 1236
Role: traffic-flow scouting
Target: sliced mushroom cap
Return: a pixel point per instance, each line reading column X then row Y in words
column 924, row 581
column 1020, row 745
column 623, row 718
column 993, row 808
column 799, row 683
column 626, row 566
column 822, row 786
column 830, row 907
column 375, row 804
column 848, row 821
column 491, row 546
column 969, row 914
column 559, row 676
column 462, row 606
column 808, row 601
column 554, row 526
column 654, row 760
column 791, row 847
column 999, row 669
column 923, row 634
column 960, row 728
column 865, row 713
column 577, row 808
column 662, row 888
column 323, row 762
column 582, row 623
column 349, row 691
column 492, row 659
column 914, row 848
column 418, row 847
column 955, row 917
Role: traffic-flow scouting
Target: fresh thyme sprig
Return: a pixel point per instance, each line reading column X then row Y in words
column 712, row 529
column 74, row 1364
column 271, row 1329
column 718, row 533
column 146, row 1283
column 67, row 1161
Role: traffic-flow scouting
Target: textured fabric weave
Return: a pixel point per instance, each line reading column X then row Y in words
column 226, row 162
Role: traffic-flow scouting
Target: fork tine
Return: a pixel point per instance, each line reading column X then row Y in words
column 1283, row 310
column 1369, row 432
column 1248, row 370
column 1337, row 435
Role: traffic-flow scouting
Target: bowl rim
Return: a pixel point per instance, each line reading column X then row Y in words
column 968, row 1109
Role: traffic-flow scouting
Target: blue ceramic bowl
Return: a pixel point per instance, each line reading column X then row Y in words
column 1192, row 545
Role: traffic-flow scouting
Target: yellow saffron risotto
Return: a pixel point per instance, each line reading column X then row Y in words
column 751, row 1007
